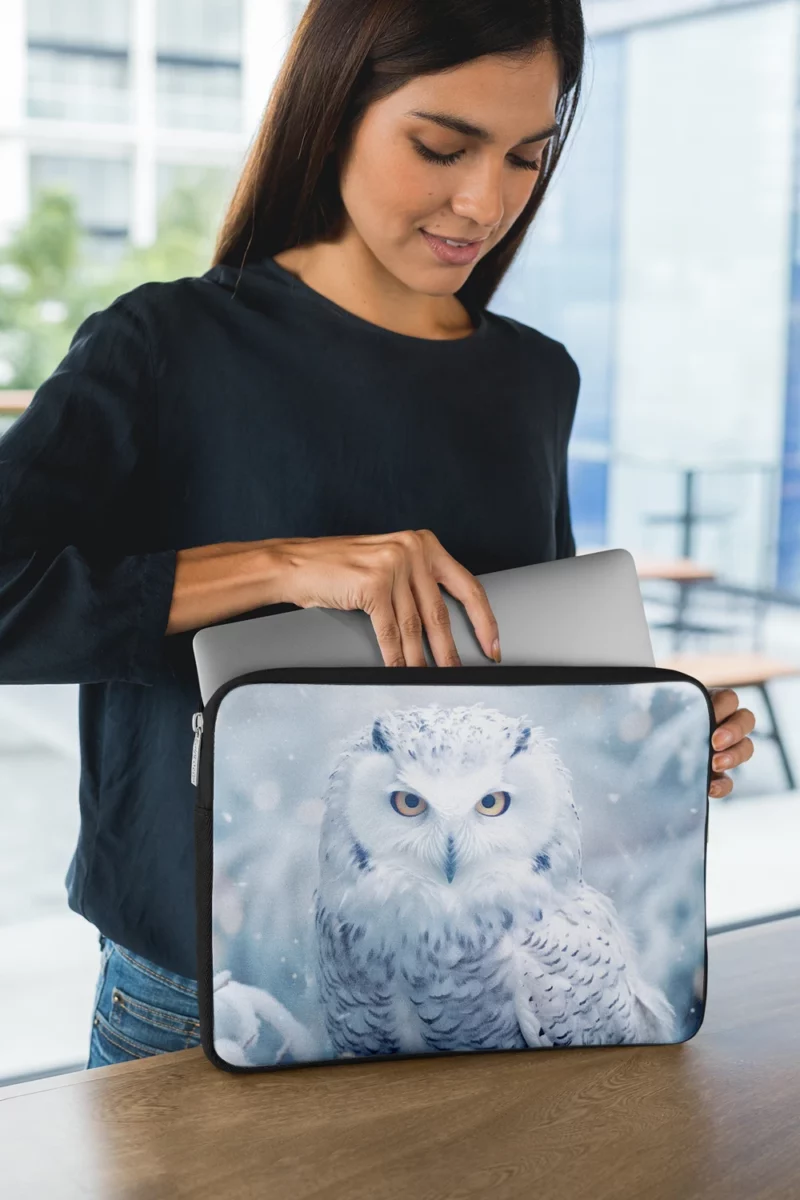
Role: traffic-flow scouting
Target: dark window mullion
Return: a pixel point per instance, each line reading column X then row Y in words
column 191, row 60
column 78, row 49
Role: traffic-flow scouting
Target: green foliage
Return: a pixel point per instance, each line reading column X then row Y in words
column 41, row 299
column 51, row 277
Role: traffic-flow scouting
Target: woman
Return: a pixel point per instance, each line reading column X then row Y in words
column 328, row 417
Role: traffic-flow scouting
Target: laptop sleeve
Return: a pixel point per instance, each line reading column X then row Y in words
column 396, row 862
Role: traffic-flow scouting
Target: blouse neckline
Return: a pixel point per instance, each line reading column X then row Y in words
column 302, row 288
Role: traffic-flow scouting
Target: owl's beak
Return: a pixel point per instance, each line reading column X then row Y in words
column 450, row 859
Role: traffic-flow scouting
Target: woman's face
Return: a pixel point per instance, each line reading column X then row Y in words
column 392, row 191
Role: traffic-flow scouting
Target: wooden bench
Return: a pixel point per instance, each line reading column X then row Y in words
column 740, row 670
column 685, row 574
column 12, row 403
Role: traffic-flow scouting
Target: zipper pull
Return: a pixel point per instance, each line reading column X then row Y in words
column 197, row 726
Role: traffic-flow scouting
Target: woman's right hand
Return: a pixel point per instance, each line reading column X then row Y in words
column 394, row 578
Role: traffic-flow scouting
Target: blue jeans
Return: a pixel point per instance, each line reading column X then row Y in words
column 140, row 1009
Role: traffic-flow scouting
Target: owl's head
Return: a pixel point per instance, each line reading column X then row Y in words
column 461, row 803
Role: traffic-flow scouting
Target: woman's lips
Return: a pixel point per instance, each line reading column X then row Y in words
column 454, row 255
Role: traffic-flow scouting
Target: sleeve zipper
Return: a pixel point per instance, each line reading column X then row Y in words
column 197, row 726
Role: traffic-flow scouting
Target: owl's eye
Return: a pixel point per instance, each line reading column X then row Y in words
column 408, row 804
column 494, row 804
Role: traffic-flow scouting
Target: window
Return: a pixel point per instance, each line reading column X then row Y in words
column 68, row 86
column 95, row 22
column 198, row 95
column 101, row 187
column 209, row 28
column 674, row 283
column 78, row 67
column 198, row 67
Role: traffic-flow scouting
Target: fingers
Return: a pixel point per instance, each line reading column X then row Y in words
column 387, row 631
column 418, row 602
column 741, row 752
column 733, row 729
column 395, row 612
column 403, row 599
column 398, row 629
column 409, row 623
column 461, row 584
column 470, row 592
column 437, row 619
column 725, row 701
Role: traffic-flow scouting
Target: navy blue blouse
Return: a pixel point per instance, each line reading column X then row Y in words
column 206, row 410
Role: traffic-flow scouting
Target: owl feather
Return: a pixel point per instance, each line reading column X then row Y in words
column 451, row 910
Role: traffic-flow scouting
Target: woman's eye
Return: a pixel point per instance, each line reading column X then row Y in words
column 447, row 160
column 494, row 804
column 408, row 804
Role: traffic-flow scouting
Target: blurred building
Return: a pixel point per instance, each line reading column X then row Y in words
column 667, row 259
column 121, row 99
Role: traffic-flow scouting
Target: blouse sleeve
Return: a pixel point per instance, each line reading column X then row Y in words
column 565, row 540
column 81, row 598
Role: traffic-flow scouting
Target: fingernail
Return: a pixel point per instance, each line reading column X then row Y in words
column 496, row 650
column 723, row 737
column 721, row 761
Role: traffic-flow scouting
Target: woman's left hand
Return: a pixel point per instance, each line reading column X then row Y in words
column 729, row 740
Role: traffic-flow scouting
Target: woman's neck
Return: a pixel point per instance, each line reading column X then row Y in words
column 351, row 278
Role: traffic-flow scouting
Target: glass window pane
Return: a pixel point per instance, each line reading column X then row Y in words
column 101, row 187
column 77, row 87
column 204, row 28
column 80, row 22
column 198, row 97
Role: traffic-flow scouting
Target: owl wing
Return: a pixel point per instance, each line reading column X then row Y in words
column 577, row 981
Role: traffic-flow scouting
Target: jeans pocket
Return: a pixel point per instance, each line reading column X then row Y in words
column 144, row 1010
column 149, row 1028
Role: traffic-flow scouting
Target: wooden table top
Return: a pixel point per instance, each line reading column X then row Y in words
column 737, row 669
column 714, row 1118
column 678, row 570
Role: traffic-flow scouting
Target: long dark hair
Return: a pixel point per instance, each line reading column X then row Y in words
column 345, row 55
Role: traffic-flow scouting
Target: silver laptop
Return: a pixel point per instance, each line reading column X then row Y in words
column 582, row 611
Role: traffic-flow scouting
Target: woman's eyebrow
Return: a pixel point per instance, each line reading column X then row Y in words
column 448, row 121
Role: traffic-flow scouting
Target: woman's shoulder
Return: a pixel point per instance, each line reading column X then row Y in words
column 166, row 314
column 153, row 297
column 547, row 350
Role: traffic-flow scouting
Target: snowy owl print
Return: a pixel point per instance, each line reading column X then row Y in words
column 452, row 913
column 397, row 873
